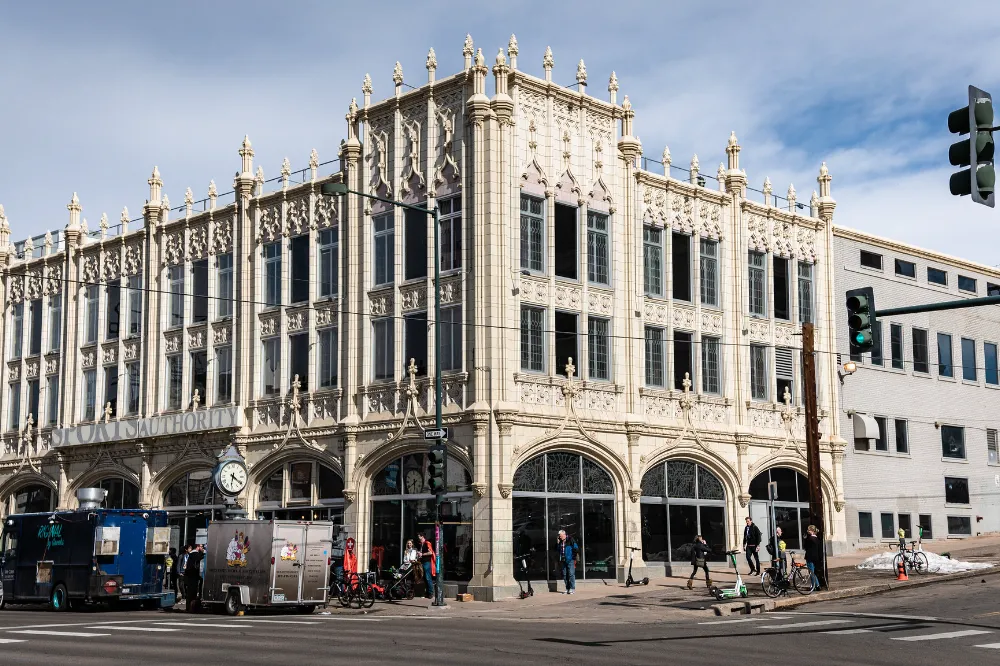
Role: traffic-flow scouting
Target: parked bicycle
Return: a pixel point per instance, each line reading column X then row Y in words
column 913, row 559
column 353, row 590
column 776, row 581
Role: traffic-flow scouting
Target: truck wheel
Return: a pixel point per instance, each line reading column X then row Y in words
column 232, row 604
column 60, row 599
column 305, row 610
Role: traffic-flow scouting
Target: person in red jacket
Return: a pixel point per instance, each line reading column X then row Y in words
column 428, row 561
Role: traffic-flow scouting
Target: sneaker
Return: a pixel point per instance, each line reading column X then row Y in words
column 571, row 592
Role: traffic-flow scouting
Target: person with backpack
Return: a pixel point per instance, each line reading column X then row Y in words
column 699, row 560
column 569, row 553
column 751, row 544
column 814, row 553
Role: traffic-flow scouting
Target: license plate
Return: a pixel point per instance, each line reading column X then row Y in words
column 277, row 597
column 126, row 590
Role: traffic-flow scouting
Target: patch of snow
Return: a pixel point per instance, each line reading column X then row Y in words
column 938, row 564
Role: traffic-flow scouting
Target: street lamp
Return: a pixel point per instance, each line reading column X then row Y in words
column 339, row 190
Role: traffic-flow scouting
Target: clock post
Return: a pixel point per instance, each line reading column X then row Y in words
column 230, row 477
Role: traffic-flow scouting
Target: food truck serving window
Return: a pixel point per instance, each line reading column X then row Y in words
column 106, row 540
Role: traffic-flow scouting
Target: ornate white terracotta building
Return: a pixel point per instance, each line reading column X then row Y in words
column 619, row 353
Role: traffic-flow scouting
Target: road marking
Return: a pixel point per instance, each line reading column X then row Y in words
column 946, row 634
column 70, row 624
column 199, row 624
column 846, row 632
column 796, row 625
column 749, row 619
column 136, row 628
column 21, row 640
column 358, row 619
column 994, row 646
column 237, row 622
column 73, row 634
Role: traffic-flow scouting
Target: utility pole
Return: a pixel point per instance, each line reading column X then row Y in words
column 812, row 438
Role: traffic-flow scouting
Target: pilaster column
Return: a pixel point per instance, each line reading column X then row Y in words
column 245, row 263
column 70, row 376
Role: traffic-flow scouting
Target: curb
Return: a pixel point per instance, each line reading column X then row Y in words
column 765, row 605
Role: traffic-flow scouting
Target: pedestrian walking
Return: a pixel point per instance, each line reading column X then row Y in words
column 428, row 562
column 751, row 544
column 192, row 575
column 699, row 560
column 814, row 553
column 173, row 561
column 181, row 569
column 569, row 553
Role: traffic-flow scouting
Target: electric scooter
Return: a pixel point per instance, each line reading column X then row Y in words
column 523, row 561
column 629, row 581
column 738, row 590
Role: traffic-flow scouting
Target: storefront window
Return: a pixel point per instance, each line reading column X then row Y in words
column 303, row 490
column 564, row 491
column 791, row 509
column 191, row 502
column 31, row 499
column 122, row 494
column 680, row 500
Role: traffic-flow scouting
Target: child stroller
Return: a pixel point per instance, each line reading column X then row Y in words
column 523, row 562
column 396, row 584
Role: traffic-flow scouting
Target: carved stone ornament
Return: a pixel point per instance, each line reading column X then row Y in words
column 109, row 355
column 173, row 249
column 222, row 238
column 91, row 269
column 411, row 133
column 133, row 259
column 325, row 211
column 131, row 352
column 31, row 369
column 270, row 224
column 197, row 243
column 268, row 325
column 297, row 216
column 172, row 344
column 89, row 358
column 53, row 280
column 351, row 495
column 15, row 292
column 381, row 305
column 297, row 320
column 414, row 298
column 325, row 316
column 51, row 365
column 479, row 489
column 112, row 265
column 505, row 489
column 634, row 494
column 196, row 338
column 220, row 335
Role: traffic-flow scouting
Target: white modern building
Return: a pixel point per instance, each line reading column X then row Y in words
column 929, row 394
column 620, row 337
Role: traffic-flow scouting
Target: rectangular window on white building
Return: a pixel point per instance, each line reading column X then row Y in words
column 652, row 261
column 328, row 357
column 298, row 360
column 918, row 339
column 17, row 329
column 92, row 296
column 711, row 365
column 272, row 366
column 329, row 262
column 991, row 447
column 953, row 442
column 532, row 234
column 959, row 526
column 709, row 272
column 52, row 392
column 175, row 382
column 782, row 309
column 945, row 364
column 888, row 525
column 224, row 375
column 176, row 279
column 298, row 250
column 956, row 490
column 113, row 312
column 272, row 274
column 134, row 306
column 384, row 230
column 35, row 331
column 896, row 345
column 199, row 291
column 224, row 265
column 451, row 338
column 598, row 348
column 111, row 389
column 805, row 293
column 758, row 373
column 757, row 281
column 865, row 525
column 784, row 373
column 384, row 348
column 33, row 396
column 134, row 388
column 990, row 358
column 598, row 249
column 55, row 322
column 450, row 217
column 14, row 413
column 532, row 343
column 683, row 360
column 415, row 247
column 902, row 436
column 680, row 256
column 415, row 343
column 565, row 239
column 199, row 375
column 882, row 443
column 567, row 341
column 89, row 395
column 654, row 357
column 877, row 357
column 969, row 371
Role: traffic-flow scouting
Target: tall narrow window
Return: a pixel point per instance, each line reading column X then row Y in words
column 781, row 309
column 945, row 367
column 415, row 342
column 89, row 395
column 328, row 357
column 532, row 226
column 176, row 277
column 598, row 348
column 991, row 447
column 969, row 372
column 35, row 336
column 450, row 215
column 298, row 250
column 55, row 322
column 877, row 358
column 329, row 262
column 953, row 442
column 33, row 396
column 134, row 306
column 532, row 346
column 652, row 261
column 598, row 252
column 654, row 356
column 882, row 443
column 902, row 437
column 451, row 338
column 711, row 381
column 757, row 280
column 199, row 291
column 758, row 372
column 567, row 346
column 224, row 264
column 805, row 293
column 111, row 389
column 224, row 374
column 199, row 375
column 384, row 230
column 990, row 354
column 52, row 392
column 17, row 332
column 566, row 245
column 14, row 415
column 383, row 334
column 680, row 256
column 134, row 389
column 93, row 296
column 683, row 361
column 113, row 314
column 272, row 366
column 921, row 362
column 175, row 382
column 415, row 255
column 709, row 272
column 272, row 274
column 298, row 360
column 896, row 345
column 784, row 373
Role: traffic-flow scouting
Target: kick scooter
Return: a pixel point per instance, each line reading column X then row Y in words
column 523, row 562
column 738, row 590
column 629, row 581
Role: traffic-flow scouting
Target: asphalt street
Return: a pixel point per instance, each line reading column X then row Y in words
column 944, row 623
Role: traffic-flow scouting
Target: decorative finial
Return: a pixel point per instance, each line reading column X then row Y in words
column 787, row 398
column 480, row 60
column 694, row 162
column 666, row 156
column 286, row 168
column 721, row 177
column 313, row 159
column 501, row 60
column 188, row 197
column 732, row 139
column 366, row 85
column 512, row 51
column 626, row 104
column 767, row 190
column 352, row 108
column 467, row 47
column 103, row 225
column 166, row 202
column 397, row 74
column 791, row 197
column 108, row 412
column 84, row 228
column 214, row 192
column 48, row 240
column 124, row 220
column 612, row 82
column 155, row 185
column 259, row 180
column 246, row 142
column 581, row 73
column 432, row 61
column 824, row 181
column 823, row 171
column 548, row 62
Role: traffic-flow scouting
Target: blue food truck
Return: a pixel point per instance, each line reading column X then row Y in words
column 87, row 556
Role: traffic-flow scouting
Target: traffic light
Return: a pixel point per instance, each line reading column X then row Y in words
column 976, row 152
column 861, row 319
column 438, row 469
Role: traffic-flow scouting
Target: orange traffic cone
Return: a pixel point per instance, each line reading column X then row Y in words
column 901, row 571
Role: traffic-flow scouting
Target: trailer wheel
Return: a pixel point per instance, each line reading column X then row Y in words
column 233, row 603
column 3, row 601
column 60, row 598
column 305, row 610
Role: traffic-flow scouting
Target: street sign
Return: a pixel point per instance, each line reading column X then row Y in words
column 436, row 433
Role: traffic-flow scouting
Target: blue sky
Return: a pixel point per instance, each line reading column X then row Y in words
column 95, row 94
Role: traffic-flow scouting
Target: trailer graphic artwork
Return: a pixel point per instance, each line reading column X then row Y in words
column 236, row 553
column 52, row 535
column 289, row 551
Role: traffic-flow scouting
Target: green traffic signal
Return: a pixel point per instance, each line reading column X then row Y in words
column 977, row 151
column 861, row 319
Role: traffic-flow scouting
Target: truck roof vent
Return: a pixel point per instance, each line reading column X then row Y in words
column 91, row 498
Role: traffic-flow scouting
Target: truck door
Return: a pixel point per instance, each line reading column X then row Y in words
column 8, row 564
column 288, row 551
column 316, row 569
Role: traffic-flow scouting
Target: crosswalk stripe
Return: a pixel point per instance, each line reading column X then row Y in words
column 230, row 625
column 277, row 621
column 748, row 619
column 994, row 646
column 11, row 640
column 72, row 634
column 946, row 634
column 797, row 625
column 846, row 632
column 121, row 628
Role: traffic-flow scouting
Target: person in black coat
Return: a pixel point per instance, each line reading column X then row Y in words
column 192, row 575
column 814, row 553
column 699, row 560
column 751, row 544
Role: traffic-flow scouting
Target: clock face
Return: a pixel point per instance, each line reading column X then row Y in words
column 414, row 482
column 232, row 477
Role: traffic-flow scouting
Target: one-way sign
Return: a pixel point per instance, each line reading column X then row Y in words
column 440, row 433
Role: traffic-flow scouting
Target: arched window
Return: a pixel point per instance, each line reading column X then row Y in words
column 564, row 491
column 192, row 501
column 30, row 499
column 681, row 499
column 791, row 509
column 403, row 505
column 122, row 493
column 302, row 490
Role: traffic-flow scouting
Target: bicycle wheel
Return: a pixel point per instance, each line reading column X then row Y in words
column 771, row 583
column 369, row 596
column 895, row 562
column 920, row 563
column 802, row 581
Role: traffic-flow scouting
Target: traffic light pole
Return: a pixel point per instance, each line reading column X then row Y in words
column 439, row 582
column 816, row 512
column 946, row 305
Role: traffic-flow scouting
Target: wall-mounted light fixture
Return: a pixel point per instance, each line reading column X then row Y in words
column 847, row 369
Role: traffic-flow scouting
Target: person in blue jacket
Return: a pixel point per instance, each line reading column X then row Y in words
column 569, row 553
